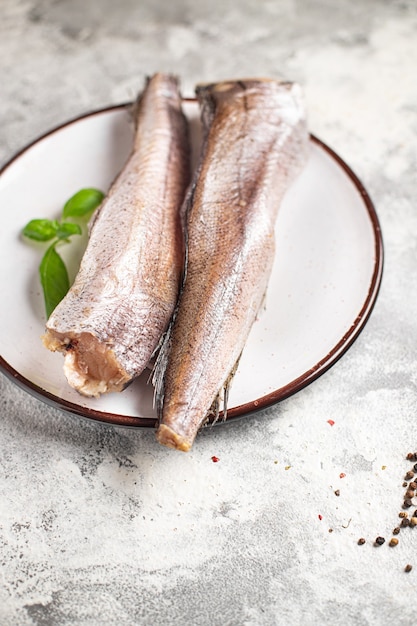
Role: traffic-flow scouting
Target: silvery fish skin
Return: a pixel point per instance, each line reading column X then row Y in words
column 112, row 319
column 256, row 142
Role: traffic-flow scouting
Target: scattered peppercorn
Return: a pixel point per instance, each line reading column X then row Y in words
column 337, row 492
column 408, row 568
column 410, row 493
column 215, row 459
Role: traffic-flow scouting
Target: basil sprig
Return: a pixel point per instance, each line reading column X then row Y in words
column 52, row 269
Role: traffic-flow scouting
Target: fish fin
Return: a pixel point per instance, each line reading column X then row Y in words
column 223, row 395
column 225, row 390
column 164, row 346
column 157, row 374
column 227, row 385
column 214, row 410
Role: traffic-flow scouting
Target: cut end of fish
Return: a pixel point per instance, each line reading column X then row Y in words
column 168, row 437
column 90, row 367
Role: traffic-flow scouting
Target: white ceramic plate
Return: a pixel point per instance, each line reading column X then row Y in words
column 324, row 283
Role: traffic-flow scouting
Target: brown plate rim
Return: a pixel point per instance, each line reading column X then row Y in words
column 265, row 401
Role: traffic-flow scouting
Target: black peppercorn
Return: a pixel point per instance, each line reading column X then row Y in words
column 379, row 541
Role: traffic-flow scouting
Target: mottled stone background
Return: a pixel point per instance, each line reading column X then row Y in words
column 99, row 525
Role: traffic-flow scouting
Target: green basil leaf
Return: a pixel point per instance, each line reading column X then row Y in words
column 66, row 229
column 82, row 203
column 41, row 230
column 54, row 279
